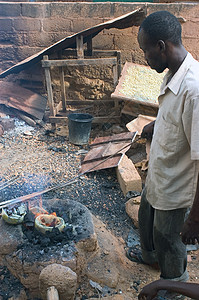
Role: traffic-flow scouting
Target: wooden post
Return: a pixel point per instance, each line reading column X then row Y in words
column 49, row 91
column 80, row 46
column 90, row 47
column 115, row 80
column 63, row 91
column 49, row 88
column 119, row 68
column 52, row 293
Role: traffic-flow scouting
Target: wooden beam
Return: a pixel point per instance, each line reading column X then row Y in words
column 104, row 53
column 49, row 87
column 90, row 47
column 80, row 46
column 79, row 62
column 63, row 91
column 96, row 120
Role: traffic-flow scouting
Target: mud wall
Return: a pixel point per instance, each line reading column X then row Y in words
column 28, row 27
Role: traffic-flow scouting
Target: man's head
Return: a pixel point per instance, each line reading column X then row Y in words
column 158, row 34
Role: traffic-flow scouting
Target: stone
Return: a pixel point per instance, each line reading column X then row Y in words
column 128, row 177
column 132, row 207
column 62, row 278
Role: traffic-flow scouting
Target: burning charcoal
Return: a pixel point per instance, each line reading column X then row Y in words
column 22, row 209
column 29, row 220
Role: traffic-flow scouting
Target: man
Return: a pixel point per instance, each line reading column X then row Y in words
column 172, row 179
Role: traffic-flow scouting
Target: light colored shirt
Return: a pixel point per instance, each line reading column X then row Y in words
column 173, row 164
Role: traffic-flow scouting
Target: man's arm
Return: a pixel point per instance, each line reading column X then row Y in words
column 147, row 131
column 190, row 231
column 187, row 289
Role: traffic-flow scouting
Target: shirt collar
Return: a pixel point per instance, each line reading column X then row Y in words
column 176, row 80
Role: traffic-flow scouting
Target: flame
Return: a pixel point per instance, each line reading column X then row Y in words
column 37, row 209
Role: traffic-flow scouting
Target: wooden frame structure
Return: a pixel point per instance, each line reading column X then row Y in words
column 109, row 58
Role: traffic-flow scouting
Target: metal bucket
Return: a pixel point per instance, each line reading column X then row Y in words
column 79, row 126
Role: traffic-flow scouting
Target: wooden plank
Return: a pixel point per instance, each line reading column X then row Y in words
column 119, row 67
column 91, row 102
column 104, row 53
column 49, row 88
column 89, row 47
column 58, row 108
column 79, row 62
column 62, row 120
column 63, row 91
column 80, row 46
column 96, row 120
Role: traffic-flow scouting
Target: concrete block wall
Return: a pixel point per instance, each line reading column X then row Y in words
column 28, row 27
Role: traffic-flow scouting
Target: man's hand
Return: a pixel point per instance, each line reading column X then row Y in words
column 149, row 291
column 147, row 132
column 190, row 232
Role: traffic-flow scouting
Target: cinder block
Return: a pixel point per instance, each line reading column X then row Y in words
column 33, row 10
column 128, row 177
column 132, row 209
column 10, row 10
column 6, row 25
column 79, row 24
column 27, row 24
column 57, row 25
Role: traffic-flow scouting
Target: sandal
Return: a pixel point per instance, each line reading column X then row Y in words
column 137, row 254
column 137, row 257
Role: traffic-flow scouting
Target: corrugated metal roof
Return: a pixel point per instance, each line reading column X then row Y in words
column 133, row 18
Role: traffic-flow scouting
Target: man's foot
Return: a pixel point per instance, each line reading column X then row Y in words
column 135, row 254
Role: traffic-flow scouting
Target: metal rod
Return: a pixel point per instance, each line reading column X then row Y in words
column 73, row 180
column 35, row 194
column 8, row 182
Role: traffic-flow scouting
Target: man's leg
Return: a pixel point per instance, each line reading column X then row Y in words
column 146, row 220
column 171, row 252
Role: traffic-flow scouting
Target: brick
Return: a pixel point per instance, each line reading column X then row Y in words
column 10, row 10
column 79, row 24
column 77, row 9
column 7, row 52
column 128, row 177
column 43, row 39
column 132, row 209
column 5, row 25
column 27, row 24
column 24, row 52
column 123, row 8
column 57, row 25
column 33, row 10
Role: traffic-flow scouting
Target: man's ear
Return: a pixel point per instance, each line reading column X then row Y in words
column 161, row 45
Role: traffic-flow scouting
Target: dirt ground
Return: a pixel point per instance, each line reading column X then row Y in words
column 41, row 158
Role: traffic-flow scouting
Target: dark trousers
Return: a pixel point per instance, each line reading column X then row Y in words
column 161, row 241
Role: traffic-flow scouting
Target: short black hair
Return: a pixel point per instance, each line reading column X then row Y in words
column 162, row 25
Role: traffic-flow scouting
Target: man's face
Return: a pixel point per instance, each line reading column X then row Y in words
column 154, row 54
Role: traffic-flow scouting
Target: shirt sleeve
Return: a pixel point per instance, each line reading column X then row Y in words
column 195, row 131
column 190, row 120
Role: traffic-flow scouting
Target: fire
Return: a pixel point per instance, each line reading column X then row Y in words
column 37, row 210
column 48, row 221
